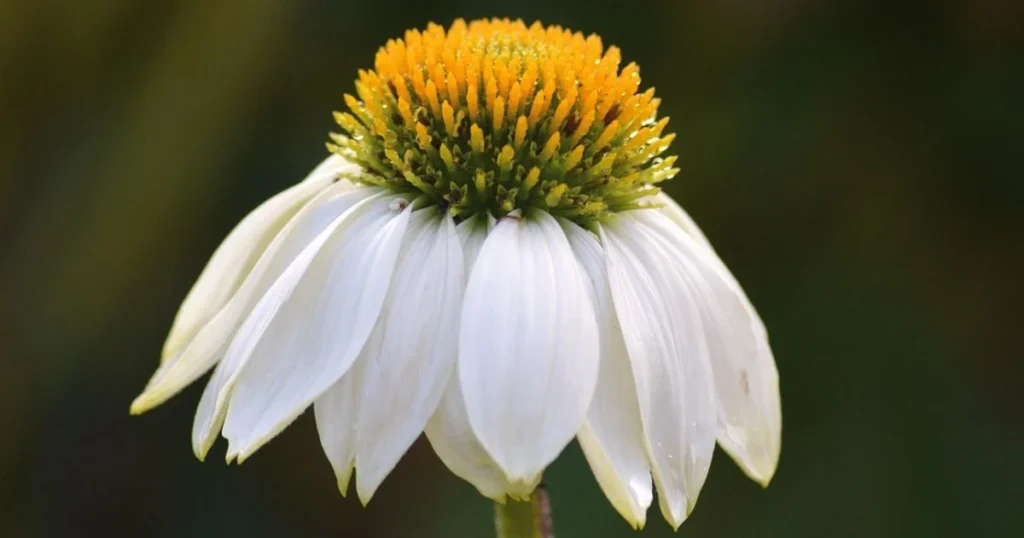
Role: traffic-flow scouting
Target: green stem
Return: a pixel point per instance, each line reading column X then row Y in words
column 525, row 519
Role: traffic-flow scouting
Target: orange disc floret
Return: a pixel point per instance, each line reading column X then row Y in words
column 495, row 115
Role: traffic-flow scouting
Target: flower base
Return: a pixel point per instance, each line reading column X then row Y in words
column 525, row 519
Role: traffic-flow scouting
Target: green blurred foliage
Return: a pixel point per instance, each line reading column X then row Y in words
column 857, row 164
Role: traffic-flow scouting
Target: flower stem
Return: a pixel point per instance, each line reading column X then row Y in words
column 525, row 519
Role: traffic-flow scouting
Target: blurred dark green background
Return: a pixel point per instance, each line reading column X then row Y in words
column 857, row 164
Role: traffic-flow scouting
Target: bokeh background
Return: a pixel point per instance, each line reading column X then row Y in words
column 858, row 165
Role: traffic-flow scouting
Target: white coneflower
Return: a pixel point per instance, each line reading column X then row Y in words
column 487, row 258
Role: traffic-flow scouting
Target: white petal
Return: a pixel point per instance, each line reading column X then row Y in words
column 528, row 345
column 453, row 440
column 271, row 282
column 332, row 167
column 320, row 328
column 237, row 254
column 612, row 437
column 208, row 345
column 336, row 411
column 657, row 308
column 746, row 379
column 448, row 430
column 472, row 233
column 402, row 381
column 679, row 216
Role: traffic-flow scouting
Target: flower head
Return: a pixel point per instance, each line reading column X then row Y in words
column 494, row 116
column 485, row 258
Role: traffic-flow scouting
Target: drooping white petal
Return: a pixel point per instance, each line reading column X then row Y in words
column 679, row 216
column 402, row 381
column 452, row 438
column 448, row 430
column 336, row 413
column 612, row 437
column 271, row 282
column 656, row 304
column 472, row 233
column 319, row 330
column 208, row 345
column 528, row 345
column 237, row 254
column 746, row 379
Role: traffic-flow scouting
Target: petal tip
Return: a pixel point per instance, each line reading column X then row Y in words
column 676, row 520
column 365, row 487
column 675, row 513
column 344, row 478
column 364, row 499
column 138, row 407
column 160, row 389
column 636, row 519
column 760, row 470
column 765, row 479
column 201, row 449
column 145, row 401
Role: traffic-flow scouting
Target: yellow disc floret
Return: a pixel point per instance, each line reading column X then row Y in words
column 493, row 115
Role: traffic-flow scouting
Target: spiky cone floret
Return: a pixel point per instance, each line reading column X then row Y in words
column 486, row 258
column 493, row 115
